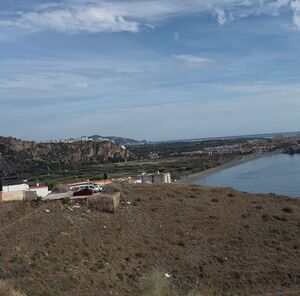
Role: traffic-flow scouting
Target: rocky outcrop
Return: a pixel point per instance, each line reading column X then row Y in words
column 25, row 156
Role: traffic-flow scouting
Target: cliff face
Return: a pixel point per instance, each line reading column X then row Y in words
column 25, row 156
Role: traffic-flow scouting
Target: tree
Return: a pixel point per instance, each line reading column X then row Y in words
column 105, row 176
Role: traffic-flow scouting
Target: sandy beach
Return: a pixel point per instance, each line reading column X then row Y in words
column 203, row 174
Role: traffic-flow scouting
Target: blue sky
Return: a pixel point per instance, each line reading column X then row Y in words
column 149, row 69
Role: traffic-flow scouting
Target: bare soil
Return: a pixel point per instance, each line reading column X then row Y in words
column 219, row 240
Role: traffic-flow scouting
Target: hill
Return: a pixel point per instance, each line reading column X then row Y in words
column 17, row 156
column 222, row 241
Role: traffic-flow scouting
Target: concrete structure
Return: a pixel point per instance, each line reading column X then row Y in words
column 13, row 196
column 104, row 202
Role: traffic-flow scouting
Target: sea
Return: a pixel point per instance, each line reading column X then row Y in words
column 254, row 136
column 278, row 173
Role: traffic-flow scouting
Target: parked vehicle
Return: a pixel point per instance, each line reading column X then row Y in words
column 97, row 188
column 84, row 192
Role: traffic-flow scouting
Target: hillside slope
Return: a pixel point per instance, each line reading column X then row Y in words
column 25, row 156
column 223, row 241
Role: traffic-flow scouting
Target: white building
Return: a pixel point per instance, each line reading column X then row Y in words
column 156, row 178
column 15, row 188
column 22, row 191
column 40, row 190
column 162, row 178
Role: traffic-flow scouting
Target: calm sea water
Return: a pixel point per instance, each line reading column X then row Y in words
column 279, row 174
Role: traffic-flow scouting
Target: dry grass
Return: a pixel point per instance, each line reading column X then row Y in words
column 222, row 241
column 7, row 290
column 156, row 284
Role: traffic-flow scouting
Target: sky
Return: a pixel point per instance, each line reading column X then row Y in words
column 149, row 69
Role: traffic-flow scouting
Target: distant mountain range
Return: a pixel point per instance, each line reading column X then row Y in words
column 118, row 140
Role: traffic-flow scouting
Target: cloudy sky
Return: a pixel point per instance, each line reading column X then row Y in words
column 149, row 69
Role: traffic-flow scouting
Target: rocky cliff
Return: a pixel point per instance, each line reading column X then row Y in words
column 25, row 156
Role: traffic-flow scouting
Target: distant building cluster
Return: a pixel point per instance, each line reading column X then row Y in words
column 156, row 178
column 81, row 139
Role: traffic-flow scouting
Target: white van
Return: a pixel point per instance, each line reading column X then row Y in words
column 94, row 187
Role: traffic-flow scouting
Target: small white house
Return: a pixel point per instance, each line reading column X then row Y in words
column 40, row 190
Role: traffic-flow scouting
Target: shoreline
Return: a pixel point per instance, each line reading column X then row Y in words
column 203, row 174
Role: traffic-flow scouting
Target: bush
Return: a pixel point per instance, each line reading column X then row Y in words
column 39, row 198
column 66, row 200
column 287, row 210
column 7, row 290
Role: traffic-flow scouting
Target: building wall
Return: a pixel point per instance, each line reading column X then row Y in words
column 157, row 179
column 13, row 196
column 41, row 192
column 29, row 196
column 15, row 188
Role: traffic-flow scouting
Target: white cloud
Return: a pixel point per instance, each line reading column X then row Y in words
column 296, row 8
column 194, row 60
column 221, row 16
column 83, row 85
column 93, row 16
column 84, row 19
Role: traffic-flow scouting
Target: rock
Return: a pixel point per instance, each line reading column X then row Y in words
column 104, row 202
column 26, row 156
column 47, row 211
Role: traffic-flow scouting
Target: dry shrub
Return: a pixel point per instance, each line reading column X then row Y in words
column 7, row 290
